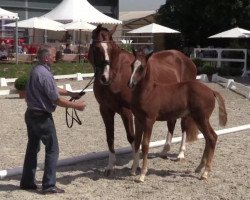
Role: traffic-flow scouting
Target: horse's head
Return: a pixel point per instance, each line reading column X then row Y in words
column 99, row 52
column 139, row 68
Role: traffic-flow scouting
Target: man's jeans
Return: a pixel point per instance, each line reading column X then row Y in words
column 40, row 126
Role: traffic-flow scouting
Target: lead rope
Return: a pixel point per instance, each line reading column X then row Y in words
column 74, row 116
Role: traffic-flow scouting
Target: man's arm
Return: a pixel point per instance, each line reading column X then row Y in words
column 79, row 105
column 64, row 92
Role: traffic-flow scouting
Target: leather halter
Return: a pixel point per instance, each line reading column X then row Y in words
column 104, row 62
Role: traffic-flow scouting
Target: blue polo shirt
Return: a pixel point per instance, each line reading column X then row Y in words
column 41, row 90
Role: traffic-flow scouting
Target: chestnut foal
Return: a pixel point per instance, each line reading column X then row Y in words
column 153, row 101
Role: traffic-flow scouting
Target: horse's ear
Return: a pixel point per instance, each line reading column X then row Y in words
column 149, row 55
column 99, row 26
column 134, row 51
column 113, row 30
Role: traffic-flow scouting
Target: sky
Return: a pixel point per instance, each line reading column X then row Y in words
column 140, row 5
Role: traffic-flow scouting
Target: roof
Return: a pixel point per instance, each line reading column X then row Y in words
column 76, row 10
column 132, row 15
column 134, row 19
column 5, row 14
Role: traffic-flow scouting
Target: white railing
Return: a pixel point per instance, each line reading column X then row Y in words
column 232, row 85
column 227, row 83
column 77, row 76
column 198, row 52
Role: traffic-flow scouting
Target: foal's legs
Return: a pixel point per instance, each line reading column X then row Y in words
column 210, row 143
column 137, row 143
column 108, row 119
column 145, row 147
column 166, row 148
column 127, row 118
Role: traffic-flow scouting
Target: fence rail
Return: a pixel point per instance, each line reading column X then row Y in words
column 227, row 83
column 219, row 58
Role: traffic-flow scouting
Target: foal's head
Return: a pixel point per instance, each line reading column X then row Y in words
column 99, row 52
column 139, row 68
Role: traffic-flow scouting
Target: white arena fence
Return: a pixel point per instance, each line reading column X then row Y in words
column 104, row 154
column 227, row 83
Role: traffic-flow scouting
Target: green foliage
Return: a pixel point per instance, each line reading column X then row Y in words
column 21, row 82
column 60, row 68
column 198, row 19
column 208, row 69
column 127, row 47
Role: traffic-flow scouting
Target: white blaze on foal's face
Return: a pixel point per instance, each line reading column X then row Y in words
column 107, row 67
column 136, row 66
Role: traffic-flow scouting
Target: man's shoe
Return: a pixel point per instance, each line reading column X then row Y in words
column 28, row 187
column 52, row 190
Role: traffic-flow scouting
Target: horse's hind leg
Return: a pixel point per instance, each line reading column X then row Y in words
column 181, row 155
column 108, row 119
column 210, row 143
column 166, row 148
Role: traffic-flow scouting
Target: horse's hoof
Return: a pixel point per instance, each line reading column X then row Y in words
column 133, row 172
column 140, row 180
column 204, row 178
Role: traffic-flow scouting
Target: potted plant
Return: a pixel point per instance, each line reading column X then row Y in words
column 209, row 70
column 20, row 85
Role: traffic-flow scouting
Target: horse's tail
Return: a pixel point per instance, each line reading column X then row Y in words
column 191, row 130
column 222, row 109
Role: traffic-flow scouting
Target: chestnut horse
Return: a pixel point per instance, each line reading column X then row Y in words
column 153, row 101
column 112, row 67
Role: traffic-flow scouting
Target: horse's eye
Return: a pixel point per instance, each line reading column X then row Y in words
column 140, row 69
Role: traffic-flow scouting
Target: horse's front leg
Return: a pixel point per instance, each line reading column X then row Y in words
column 108, row 119
column 137, row 143
column 127, row 118
column 147, row 127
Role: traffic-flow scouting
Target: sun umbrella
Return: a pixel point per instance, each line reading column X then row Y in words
column 5, row 14
column 81, row 26
column 154, row 28
column 233, row 33
column 39, row 23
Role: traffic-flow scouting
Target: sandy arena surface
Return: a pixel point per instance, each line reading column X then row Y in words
column 166, row 179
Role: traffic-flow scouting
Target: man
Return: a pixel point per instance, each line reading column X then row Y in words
column 42, row 97
column 67, row 49
column 67, row 37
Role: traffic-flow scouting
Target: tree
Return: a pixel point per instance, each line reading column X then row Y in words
column 198, row 19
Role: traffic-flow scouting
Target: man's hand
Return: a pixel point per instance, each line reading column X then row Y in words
column 80, row 105
column 76, row 95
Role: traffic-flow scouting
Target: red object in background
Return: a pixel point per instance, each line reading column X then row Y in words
column 11, row 40
column 32, row 50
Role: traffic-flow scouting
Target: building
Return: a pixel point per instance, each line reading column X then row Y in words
column 35, row 8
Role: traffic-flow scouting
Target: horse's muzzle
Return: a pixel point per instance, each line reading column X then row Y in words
column 104, row 81
column 131, row 84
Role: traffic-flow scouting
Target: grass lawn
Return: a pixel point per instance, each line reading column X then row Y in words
column 59, row 68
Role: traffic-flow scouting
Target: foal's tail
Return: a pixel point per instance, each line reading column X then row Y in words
column 191, row 129
column 222, row 109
